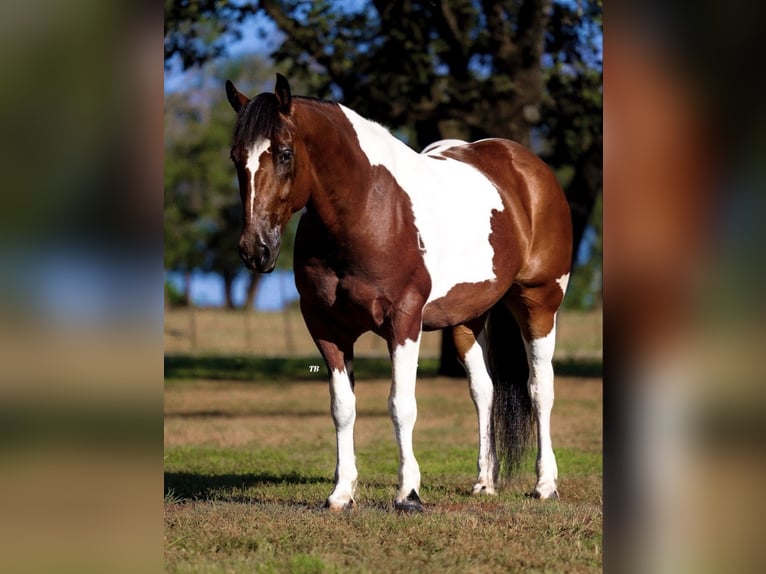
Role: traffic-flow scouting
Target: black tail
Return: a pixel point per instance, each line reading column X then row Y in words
column 512, row 411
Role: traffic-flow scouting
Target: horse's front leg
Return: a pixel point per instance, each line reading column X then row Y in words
column 404, row 411
column 343, row 408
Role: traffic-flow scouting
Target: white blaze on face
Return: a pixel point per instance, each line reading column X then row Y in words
column 253, row 164
column 452, row 204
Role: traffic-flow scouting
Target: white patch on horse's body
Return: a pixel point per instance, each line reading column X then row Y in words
column 404, row 411
column 563, row 281
column 540, row 359
column 343, row 408
column 482, row 392
column 253, row 164
column 447, row 197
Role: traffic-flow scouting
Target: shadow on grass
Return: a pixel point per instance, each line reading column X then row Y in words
column 267, row 369
column 192, row 486
column 270, row 369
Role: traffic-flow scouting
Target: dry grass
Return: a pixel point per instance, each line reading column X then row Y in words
column 218, row 331
column 241, row 414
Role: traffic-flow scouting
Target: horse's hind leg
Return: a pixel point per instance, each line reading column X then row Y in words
column 540, row 358
column 535, row 310
column 471, row 344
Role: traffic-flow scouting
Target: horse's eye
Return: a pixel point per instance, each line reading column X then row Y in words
column 285, row 156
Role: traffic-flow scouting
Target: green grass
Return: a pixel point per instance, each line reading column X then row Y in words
column 269, row 369
column 304, row 473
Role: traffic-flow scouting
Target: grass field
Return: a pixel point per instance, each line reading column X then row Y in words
column 249, row 462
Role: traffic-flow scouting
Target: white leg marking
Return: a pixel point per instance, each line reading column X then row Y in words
column 540, row 358
column 343, row 407
column 253, row 165
column 482, row 392
column 404, row 412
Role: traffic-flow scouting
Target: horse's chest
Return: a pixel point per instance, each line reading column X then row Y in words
column 343, row 296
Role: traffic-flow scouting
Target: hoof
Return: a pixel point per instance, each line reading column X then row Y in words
column 483, row 489
column 543, row 496
column 410, row 504
column 339, row 507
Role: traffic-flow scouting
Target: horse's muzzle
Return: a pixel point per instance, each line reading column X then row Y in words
column 259, row 254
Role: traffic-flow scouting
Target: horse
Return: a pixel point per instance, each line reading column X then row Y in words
column 471, row 237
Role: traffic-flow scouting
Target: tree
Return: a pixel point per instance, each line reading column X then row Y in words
column 197, row 31
column 585, row 290
column 183, row 199
column 445, row 69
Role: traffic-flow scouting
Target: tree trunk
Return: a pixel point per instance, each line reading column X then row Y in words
column 228, row 282
column 187, row 289
column 582, row 192
column 449, row 366
column 252, row 290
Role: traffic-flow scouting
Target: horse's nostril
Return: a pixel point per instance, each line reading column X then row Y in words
column 264, row 254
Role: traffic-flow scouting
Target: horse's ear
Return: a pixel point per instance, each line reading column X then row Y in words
column 284, row 97
column 236, row 98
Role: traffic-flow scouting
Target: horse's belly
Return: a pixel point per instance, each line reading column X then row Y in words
column 462, row 303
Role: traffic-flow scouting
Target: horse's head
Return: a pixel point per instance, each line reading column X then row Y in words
column 264, row 156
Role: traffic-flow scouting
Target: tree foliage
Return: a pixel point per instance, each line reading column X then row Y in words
column 197, row 31
column 434, row 69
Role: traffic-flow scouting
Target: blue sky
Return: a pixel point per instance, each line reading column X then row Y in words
column 207, row 290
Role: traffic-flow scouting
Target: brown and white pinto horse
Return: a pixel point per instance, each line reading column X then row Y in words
column 396, row 242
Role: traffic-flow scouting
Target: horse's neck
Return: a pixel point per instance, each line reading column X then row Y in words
column 340, row 185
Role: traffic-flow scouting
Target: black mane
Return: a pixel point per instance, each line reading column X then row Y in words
column 258, row 120
column 260, row 117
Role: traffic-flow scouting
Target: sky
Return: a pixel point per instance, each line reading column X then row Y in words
column 276, row 289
